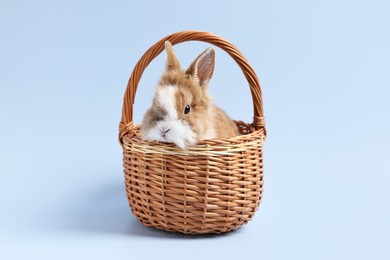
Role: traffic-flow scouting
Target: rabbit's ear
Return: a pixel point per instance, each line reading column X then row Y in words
column 172, row 62
column 202, row 67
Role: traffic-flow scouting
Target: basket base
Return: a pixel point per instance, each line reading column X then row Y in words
column 205, row 230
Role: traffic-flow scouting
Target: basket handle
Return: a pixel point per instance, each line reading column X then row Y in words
column 179, row 37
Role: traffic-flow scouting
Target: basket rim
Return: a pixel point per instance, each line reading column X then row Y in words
column 131, row 140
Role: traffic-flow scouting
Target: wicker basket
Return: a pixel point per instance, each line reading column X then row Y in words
column 213, row 187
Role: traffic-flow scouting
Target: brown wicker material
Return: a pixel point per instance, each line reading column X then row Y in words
column 213, row 187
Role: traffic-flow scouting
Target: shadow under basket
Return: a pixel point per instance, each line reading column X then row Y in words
column 212, row 187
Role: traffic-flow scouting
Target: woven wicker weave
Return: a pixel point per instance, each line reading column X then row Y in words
column 213, row 187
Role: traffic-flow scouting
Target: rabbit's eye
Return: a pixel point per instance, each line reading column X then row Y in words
column 187, row 109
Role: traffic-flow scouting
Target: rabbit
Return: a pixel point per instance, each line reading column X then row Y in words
column 182, row 111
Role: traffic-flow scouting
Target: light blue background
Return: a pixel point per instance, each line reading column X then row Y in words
column 324, row 68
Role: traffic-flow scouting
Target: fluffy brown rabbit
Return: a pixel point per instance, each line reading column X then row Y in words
column 182, row 111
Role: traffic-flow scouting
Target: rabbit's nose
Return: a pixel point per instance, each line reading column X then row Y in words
column 164, row 132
